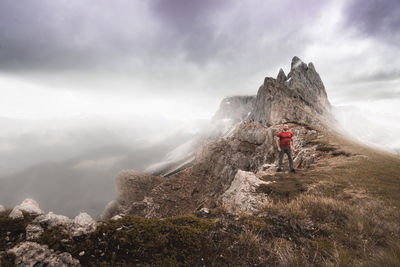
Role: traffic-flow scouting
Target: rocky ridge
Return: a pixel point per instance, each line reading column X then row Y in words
column 299, row 99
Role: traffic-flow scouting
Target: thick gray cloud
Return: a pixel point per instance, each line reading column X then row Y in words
column 198, row 50
column 54, row 36
column 375, row 18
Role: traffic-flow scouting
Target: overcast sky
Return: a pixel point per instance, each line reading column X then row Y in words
column 74, row 57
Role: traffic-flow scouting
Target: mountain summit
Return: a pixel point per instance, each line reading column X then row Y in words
column 240, row 137
column 300, row 96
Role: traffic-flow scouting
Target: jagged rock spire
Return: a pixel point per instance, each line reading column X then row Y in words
column 297, row 62
column 281, row 76
column 300, row 96
column 307, row 82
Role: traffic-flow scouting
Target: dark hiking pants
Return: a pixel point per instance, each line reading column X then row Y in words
column 288, row 152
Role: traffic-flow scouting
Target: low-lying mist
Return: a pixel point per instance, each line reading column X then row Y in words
column 372, row 127
column 70, row 165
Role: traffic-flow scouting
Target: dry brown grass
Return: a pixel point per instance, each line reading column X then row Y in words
column 352, row 202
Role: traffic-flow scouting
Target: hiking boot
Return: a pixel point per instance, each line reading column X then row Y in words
column 279, row 170
column 292, row 170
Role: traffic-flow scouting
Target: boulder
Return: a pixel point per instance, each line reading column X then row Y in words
column 52, row 220
column 28, row 205
column 305, row 158
column 83, row 224
column 242, row 196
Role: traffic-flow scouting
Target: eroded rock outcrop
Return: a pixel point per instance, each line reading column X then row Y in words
column 306, row 81
column 241, row 196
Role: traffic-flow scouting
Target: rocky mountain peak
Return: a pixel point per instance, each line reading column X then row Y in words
column 281, row 76
column 296, row 63
column 304, row 79
column 299, row 96
column 204, row 173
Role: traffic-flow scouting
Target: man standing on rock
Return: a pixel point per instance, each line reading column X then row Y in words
column 283, row 140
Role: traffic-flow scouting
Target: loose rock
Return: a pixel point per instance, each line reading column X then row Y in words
column 33, row 231
column 53, row 220
column 34, row 254
column 28, row 205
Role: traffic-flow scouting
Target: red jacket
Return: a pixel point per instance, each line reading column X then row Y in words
column 285, row 138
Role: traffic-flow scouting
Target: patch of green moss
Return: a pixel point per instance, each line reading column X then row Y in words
column 53, row 238
column 179, row 240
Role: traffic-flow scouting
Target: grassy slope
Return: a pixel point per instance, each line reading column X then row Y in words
column 344, row 211
column 354, row 193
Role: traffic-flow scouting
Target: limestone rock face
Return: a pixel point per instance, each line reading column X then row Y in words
column 241, row 195
column 300, row 97
column 276, row 103
column 306, row 81
column 34, row 254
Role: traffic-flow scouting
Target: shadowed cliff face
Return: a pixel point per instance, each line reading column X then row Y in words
column 216, row 157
